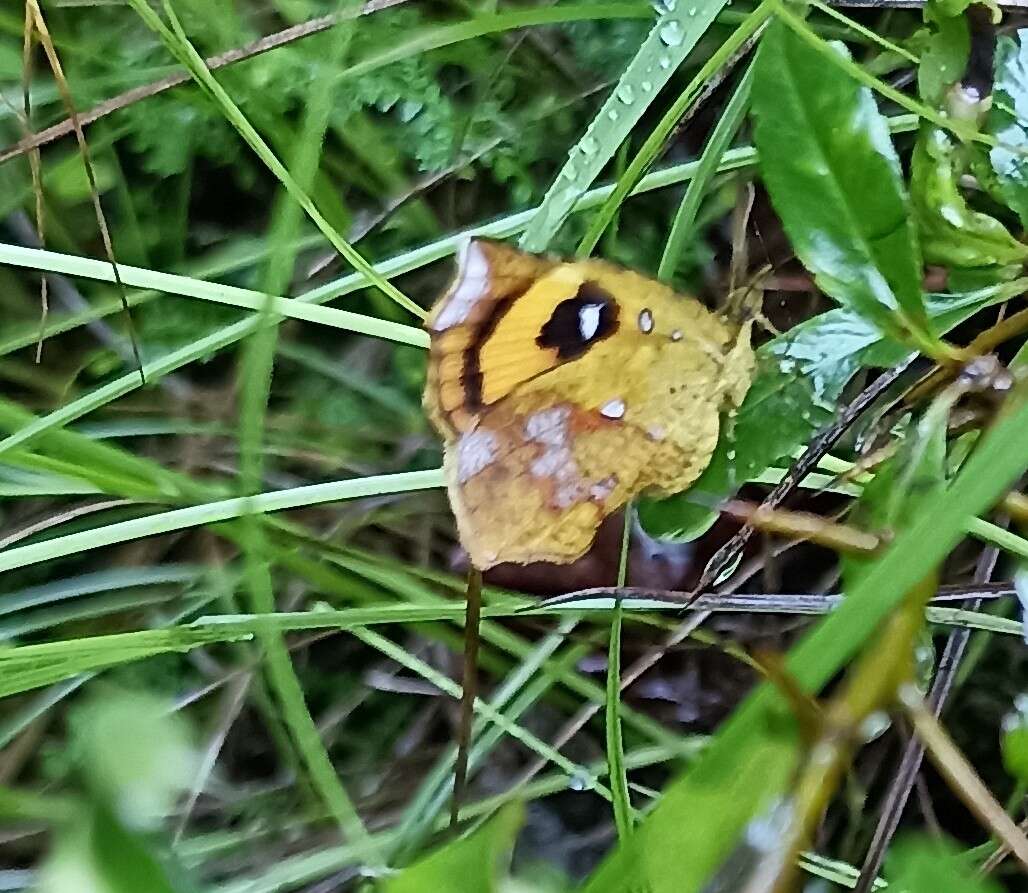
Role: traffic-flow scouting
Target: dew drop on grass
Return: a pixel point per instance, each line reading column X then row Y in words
column 647, row 86
column 579, row 782
column 613, row 114
column 671, row 33
column 588, row 145
column 626, row 94
column 664, row 62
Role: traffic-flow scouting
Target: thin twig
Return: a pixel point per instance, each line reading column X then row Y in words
column 76, row 125
column 469, row 691
column 818, row 448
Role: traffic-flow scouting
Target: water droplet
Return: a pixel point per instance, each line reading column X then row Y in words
column 692, row 11
column 731, row 455
column 588, row 145
column 626, row 94
column 663, row 7
column 579, row 782
column 671, row 33
column 647, row 86
column 613, row 114
column 664, row 62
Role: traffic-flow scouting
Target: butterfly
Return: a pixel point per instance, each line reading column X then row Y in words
column 562, row 389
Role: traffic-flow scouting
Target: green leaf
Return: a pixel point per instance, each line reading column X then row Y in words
column 835, row 180
column 952, row 233
column 471, row 864
column 944, row 60
column 1015, row 740
column 135, row 755
column 96, row 852
column 1006, row 122
column 921, row 863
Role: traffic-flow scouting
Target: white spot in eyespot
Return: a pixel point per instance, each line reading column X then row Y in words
column 676, row 335
column 549, row 426
column 645, row 322
column 471, row 286
column 589, row 321
column 476, row 450
column 613, row 409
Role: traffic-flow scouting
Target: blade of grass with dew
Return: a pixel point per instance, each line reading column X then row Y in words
column 710, row 159
column 657, row 139
column 674, row 35
column 744, row 744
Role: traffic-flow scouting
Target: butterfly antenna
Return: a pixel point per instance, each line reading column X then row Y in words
column 469, row 691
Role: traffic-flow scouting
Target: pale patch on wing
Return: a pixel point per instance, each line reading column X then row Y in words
column 549, row 426
column 471, row 286
column 476, row 451
column 601, row 490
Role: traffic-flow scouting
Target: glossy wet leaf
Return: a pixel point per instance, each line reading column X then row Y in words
column 944, row 59
column 835, row 180
column 472, row 864
column 952, row 233
column 1007, row 122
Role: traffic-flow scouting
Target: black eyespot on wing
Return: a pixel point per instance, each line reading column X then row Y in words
column 579, row 322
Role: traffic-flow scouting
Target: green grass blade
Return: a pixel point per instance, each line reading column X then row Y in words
column 215, row 512
column 655, row 142
column 710, row 159
column 673, row 37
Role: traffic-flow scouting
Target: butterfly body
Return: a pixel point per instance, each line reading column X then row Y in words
column 562, row 390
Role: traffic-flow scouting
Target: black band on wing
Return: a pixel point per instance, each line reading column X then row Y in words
column 472, row 376
column 579, row 322
column 572, row 328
